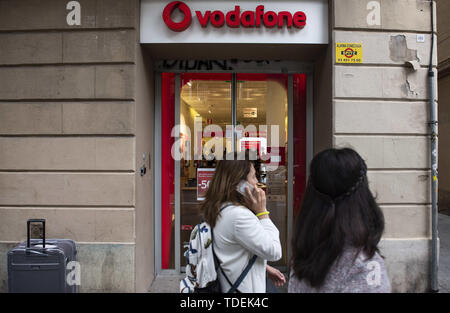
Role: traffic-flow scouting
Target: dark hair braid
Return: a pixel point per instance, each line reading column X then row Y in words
column 350, row 191
column 354, row 188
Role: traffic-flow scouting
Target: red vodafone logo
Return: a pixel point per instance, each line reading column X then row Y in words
column 177, row 26
column 234, row 18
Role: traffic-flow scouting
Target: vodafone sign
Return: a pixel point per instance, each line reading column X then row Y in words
column 233, row 18
column 177, row 26
column 228, row 21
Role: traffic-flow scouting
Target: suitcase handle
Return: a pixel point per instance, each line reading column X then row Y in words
column 40, row 220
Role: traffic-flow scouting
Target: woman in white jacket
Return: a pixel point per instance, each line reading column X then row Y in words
column 242, row 228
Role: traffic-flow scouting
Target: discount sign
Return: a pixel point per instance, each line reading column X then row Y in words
column 204, row 177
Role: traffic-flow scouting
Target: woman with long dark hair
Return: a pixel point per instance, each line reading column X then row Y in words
column 337, row 231
column 241, row 227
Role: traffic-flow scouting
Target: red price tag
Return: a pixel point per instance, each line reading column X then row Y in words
column 187, row 227
column 204, row 177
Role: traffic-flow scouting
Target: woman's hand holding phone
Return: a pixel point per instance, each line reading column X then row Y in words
column 257, row 201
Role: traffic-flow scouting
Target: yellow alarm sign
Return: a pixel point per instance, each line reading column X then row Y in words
column 349, row 53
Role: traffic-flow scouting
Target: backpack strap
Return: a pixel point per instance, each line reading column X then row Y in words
column 243, row 274
column 226, row 206
column 217, row 263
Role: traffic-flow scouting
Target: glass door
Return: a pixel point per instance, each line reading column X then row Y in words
column 205, row 113
column 208, row 114
column 261, row 125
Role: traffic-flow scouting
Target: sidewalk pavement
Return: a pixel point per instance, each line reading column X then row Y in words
column 444, row 252
column 171, row 283
column 166, row 284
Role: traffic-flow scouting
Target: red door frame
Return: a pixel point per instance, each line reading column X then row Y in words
column 167, row 141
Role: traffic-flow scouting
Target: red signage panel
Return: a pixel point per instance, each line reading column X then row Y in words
column 204, row 177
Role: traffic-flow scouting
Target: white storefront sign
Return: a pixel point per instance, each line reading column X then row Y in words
column 203, row 21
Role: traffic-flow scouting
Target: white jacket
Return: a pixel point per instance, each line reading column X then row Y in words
column 238, row 235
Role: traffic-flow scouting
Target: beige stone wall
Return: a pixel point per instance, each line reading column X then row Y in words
column 71, row 136
column 380, row 108
column 145, row 234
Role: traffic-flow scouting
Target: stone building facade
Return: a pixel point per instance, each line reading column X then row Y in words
column 77, row 115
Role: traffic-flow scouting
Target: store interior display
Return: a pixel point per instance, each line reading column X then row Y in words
column 206, row 106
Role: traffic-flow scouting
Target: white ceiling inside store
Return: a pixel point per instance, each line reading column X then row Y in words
column 212, row 99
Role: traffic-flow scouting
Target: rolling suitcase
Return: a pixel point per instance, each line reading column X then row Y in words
column 42, row 265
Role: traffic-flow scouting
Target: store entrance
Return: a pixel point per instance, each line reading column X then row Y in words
column 206, row 115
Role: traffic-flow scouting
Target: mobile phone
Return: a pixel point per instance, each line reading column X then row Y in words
column 241, row 187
